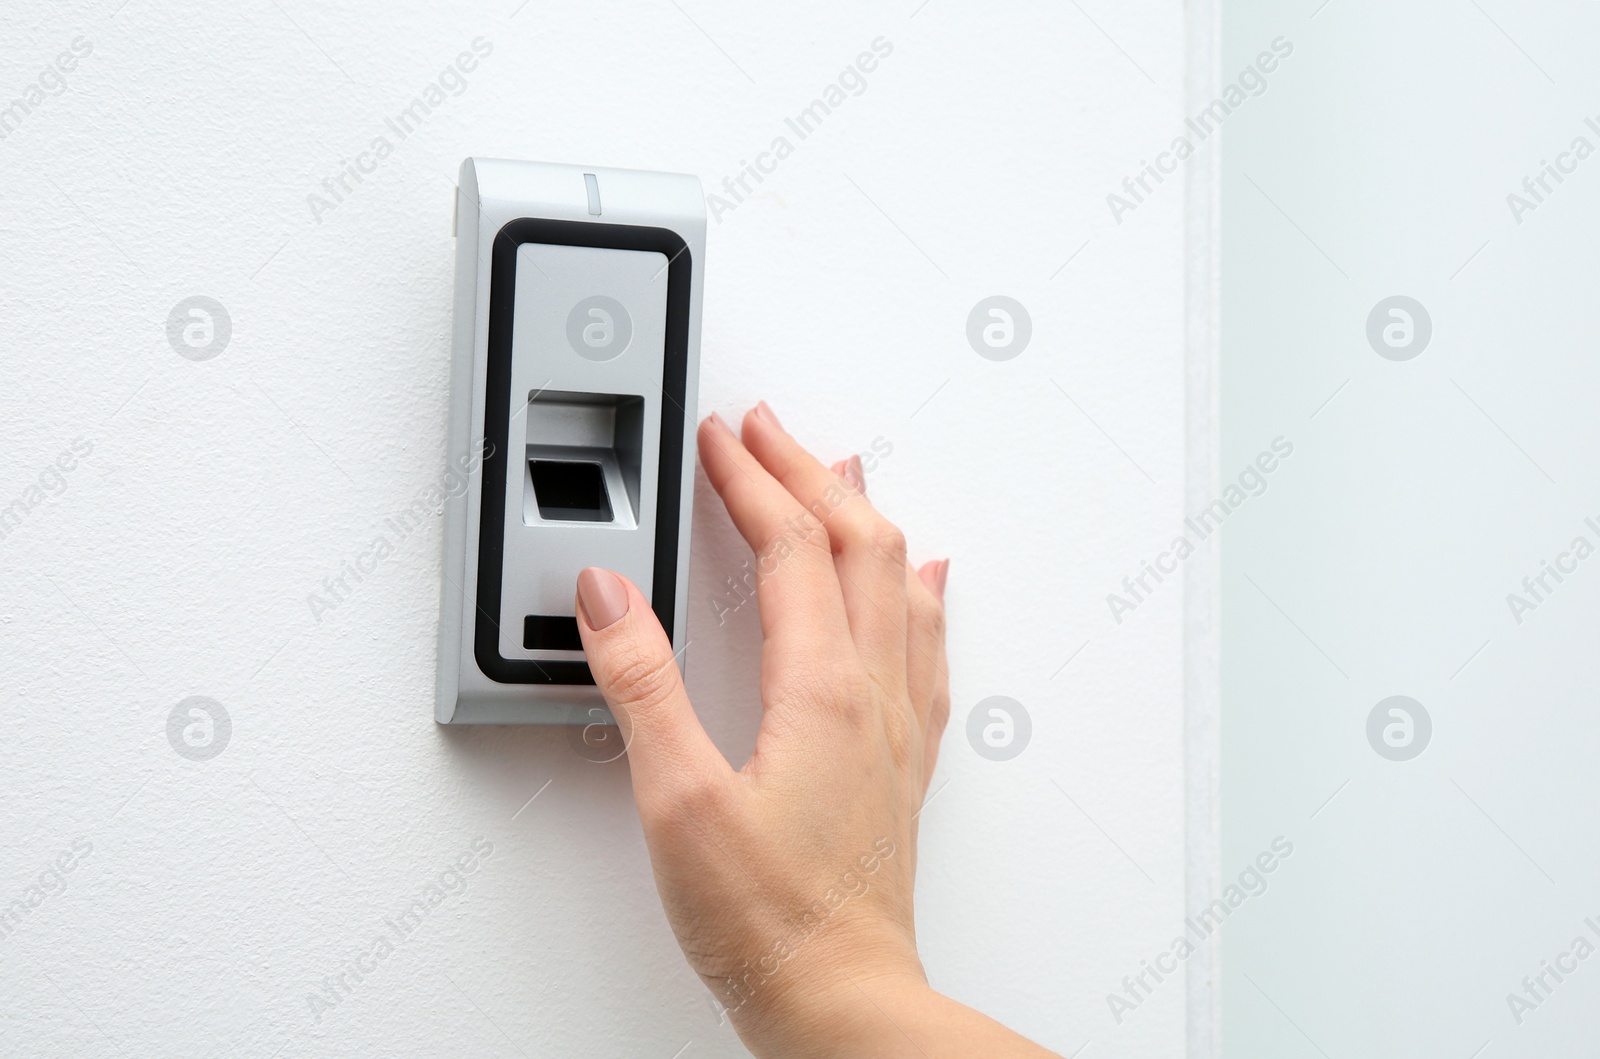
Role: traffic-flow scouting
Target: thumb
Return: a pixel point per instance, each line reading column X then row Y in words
column 634, row 668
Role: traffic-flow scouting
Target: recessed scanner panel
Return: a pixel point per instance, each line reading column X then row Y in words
column 585, row 457
column 585, row 397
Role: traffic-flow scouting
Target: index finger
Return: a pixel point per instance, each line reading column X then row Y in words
column 797, row 590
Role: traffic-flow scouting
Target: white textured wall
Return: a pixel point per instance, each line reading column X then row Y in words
column 175, row 558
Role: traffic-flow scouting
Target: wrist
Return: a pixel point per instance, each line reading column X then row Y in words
column 850, row 1016
column 887, row 1016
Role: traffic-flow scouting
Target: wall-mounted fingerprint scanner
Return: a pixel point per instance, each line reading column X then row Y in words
column 572, row 413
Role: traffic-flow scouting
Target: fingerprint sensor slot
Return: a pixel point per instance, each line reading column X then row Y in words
column 583, row 459
column 569, row 490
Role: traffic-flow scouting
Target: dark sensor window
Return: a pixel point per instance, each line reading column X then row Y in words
column 570, row 491
column 550, row 633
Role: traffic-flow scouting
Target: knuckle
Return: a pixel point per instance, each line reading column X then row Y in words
column 638, row 679
column 800, row 536
column 845, row 689
column 888, row 541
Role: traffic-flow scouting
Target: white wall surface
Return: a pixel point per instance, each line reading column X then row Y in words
column 1381, row 560
column 176, row 558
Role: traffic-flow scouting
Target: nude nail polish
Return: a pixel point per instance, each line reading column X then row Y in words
column 765, row 412
column 603, row 597
column 854, row 475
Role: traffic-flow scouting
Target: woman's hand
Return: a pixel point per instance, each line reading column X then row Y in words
column 788, row 883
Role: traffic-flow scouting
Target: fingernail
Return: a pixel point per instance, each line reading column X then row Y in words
column 939, row 577
column 854, row 475
column 603, row 597
column 765, row 412
column 719, row 421
column 838, row 468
